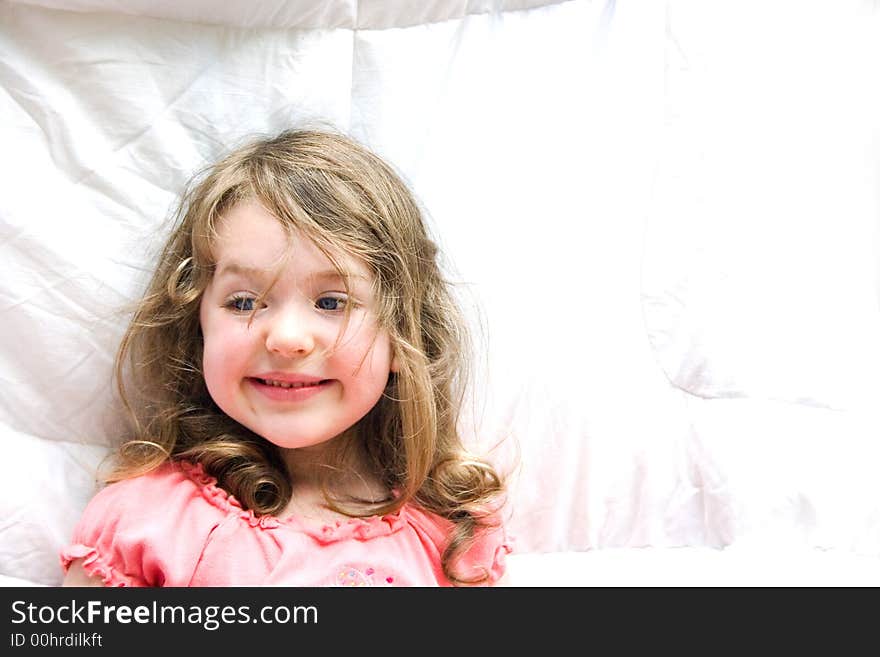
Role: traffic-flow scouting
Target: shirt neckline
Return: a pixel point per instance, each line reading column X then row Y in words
column 364, row 528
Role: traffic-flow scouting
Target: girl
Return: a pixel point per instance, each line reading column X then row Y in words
column 294, row 386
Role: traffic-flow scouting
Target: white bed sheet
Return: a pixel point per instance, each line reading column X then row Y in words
column 663, row 214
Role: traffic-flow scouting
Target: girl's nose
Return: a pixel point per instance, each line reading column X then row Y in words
column 290, row 335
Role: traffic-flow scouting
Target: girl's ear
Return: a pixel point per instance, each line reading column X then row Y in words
column 395, row 357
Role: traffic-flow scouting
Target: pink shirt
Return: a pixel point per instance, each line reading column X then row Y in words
column 176, row 527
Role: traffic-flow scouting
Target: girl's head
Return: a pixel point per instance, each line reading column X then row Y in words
column 301, row 259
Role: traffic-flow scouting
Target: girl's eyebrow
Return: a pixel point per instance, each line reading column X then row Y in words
column 335, row 275
column 233, row 268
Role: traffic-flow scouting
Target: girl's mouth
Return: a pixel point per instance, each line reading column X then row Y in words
column 289, row 391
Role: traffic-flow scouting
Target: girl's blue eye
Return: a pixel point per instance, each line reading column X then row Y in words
column 241, row 304
column 330, row 303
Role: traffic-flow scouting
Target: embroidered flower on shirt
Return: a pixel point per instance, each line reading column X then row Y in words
column 350, row 576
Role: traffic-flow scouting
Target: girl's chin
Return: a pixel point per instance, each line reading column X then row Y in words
column 284, row 441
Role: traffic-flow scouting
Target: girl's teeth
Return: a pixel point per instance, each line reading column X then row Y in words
column 284, row 384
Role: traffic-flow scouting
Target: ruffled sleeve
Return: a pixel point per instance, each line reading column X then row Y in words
column 145, row 531
column 486, row 556
column 483, row 561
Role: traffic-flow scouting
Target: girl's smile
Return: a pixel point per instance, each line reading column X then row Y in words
column 290, row 351
column 289, row 388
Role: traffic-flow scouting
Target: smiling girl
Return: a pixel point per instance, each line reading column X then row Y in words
column 294, row 376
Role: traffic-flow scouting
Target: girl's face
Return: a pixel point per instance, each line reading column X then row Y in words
column 293, row 371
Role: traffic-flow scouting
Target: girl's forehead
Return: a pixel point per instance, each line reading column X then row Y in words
column 250, row 240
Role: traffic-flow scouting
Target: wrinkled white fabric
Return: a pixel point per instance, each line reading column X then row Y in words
column 662, row 218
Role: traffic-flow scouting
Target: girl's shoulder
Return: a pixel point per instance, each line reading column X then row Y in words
column 173, row 486
column 149, row 529
column 484, row 555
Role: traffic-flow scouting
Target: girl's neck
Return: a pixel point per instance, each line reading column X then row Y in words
column 340, row 464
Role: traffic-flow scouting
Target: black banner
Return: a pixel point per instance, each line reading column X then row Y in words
column 244, row 621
